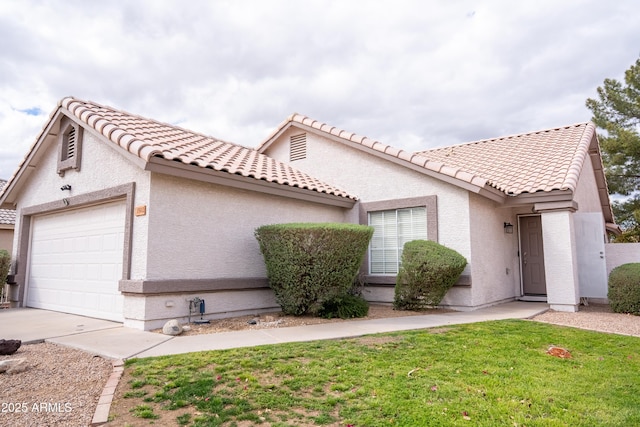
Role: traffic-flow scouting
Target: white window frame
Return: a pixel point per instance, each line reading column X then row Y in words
column 429, row 202
column 393, row 228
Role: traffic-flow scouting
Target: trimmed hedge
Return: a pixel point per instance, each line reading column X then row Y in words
column 427, row 271
column 624, row 289
column 310, row 264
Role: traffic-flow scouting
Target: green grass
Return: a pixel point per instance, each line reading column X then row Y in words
column 483, row 374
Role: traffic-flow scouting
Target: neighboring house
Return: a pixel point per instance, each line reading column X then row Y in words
column 7, row 223
column 125, row 218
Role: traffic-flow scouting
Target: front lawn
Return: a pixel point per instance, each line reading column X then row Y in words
column 483, row 374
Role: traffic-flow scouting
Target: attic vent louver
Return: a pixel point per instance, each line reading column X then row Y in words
column 70, row 149
column 298, row 147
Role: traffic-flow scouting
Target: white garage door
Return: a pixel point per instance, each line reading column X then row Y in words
column 75, row 261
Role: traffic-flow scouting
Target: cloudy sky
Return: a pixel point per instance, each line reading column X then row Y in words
column 413, row 74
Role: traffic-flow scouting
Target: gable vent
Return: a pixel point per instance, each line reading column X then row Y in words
column 70, row 149
column 298, row 147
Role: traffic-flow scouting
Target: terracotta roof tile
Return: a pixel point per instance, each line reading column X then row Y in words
column 538, row 161
column 7, row 216
column 374, row 145
column 147, row 138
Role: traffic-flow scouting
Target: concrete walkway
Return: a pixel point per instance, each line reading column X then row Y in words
column 111, row 339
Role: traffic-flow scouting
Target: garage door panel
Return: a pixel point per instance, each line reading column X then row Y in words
column 76, row 261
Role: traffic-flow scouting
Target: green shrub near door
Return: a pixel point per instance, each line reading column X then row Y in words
column 427, row 271
column 624, row 289
column 310, row 265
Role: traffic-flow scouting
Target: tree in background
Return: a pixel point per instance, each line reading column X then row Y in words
column 617, row 112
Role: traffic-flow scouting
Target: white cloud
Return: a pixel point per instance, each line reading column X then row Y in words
column 410, row 73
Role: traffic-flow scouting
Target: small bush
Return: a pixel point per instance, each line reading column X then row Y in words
column 345, row 307
column 427, row 271
column 624, row 289
column 5, row 265
column 309, row 264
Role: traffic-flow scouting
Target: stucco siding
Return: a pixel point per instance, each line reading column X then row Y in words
column 153, row 311
column 621, row 253
column 587, row 190
column 6, row 239
column 203, row 231
column 559, row 259
column 494, row 260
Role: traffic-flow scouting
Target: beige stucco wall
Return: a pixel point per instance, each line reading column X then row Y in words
column 204, row 231
column 560, row 260
column 586, row 193
column 621, row 253
column 495, row 268
column 153, row 311
column 6, row 239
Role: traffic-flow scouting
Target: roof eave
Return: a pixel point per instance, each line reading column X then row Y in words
column 29, row 162
column 601, row 179
column 280, row 129
column 527, row 199
column 179, row 169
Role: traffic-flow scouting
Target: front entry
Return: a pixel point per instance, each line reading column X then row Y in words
column 532, row 256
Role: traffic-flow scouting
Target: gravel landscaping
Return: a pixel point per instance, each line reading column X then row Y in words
column 61, row 386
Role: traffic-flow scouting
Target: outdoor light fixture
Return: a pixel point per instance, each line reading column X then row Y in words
column 508, row 228
column 65, row 187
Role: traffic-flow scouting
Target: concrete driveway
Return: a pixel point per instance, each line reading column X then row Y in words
column 102, row 337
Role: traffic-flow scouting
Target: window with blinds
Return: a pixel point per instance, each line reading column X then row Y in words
column 392, row 229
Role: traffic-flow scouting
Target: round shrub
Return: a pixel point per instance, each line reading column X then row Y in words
column 427, row 271
column 624, row 289
column 309, row 264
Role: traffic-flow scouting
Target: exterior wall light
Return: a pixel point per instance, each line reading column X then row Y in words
column 508, row 228
column 65, row 187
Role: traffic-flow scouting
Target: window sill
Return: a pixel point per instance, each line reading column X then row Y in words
column 390, row 280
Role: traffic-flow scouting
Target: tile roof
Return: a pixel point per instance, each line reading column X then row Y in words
column 7, row 216
column 528, row 163
column 537, row 161
column 414, row 159
column 148, row 138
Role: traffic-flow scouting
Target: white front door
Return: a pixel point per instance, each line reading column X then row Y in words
column 592, row 266
column 75, row 261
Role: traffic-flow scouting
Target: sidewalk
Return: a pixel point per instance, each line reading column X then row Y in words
column 111, row 339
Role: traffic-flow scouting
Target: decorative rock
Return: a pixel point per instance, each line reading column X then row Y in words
column 13, row 366
column 9, row 346
column 254, row 321
column 172, row 327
